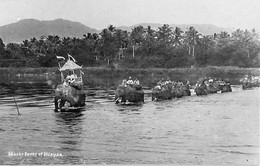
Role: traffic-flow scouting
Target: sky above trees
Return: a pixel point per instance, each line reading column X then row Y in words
column 244, row 14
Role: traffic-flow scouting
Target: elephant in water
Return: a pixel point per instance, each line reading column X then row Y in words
column 201, row 89
column 177, row 91
column 224, row 86
column 74, row 96
column 246, row 83
column 212, row 87
column 130, row 93
column 250, row 82
column 163, row 92
column 256, row 81
column 186, row 90
column 180, row 90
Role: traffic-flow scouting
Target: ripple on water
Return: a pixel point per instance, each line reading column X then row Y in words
column 213, row 129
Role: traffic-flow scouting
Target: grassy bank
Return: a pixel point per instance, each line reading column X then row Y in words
column 107, row 77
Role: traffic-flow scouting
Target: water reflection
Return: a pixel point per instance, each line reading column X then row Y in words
column 215, row 129
column 130, row 109
column 70, row 121
column 69, row 132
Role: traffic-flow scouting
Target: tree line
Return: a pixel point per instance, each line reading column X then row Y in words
column 142, row 47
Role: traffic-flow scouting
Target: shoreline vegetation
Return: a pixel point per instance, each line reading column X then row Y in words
column 143, row 53
column 142, row 47
column 95, row 77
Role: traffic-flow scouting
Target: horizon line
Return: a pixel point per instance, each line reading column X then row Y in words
column 230, row 28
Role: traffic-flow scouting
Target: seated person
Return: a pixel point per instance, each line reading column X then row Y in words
column 129, row 81
column 197, row 84
column 168, row 80
column 187, row 83
column 66, row 82
column 136, row 81
column 158, row 85
column 68, row 78
column 124, row 82
column 72, row 78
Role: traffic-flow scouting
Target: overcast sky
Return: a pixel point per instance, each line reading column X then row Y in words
column 244, row 14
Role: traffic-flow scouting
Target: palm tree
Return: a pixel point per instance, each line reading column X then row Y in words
column 108, row 43
column 136, row 36
column 224, row 34
column 149, row 40
column 2, row 45
column 165, row 34
column 177, row 36
column 245, row 39
column 121, row 41
column 111, row 28
column 192, row 36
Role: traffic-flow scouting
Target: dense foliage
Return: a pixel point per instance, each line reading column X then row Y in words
column 164, row 47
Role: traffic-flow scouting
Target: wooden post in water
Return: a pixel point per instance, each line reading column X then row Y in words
column 17, row 108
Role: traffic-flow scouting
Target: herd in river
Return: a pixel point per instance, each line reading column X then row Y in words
column 165, row 90
column 70, row 95
column 131, row 91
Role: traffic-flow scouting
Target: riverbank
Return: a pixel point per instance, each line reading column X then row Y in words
column 108, row 77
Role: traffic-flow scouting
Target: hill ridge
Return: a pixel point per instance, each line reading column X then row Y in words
column 29, row 28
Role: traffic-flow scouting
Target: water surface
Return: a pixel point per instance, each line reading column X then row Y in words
column 216, row 129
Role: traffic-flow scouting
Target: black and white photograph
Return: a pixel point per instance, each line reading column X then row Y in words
column 129, row 82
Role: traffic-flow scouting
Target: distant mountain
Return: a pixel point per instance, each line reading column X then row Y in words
column 29, row 28
column 205, row 29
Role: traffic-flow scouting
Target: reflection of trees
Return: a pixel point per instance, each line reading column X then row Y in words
column 69, row 132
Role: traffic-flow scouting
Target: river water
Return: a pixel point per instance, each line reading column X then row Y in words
column 218, row 129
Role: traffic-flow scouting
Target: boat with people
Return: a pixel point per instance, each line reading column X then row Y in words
column 69, row 95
